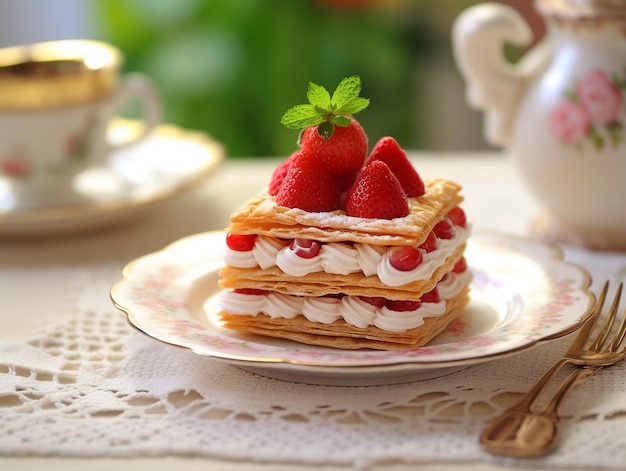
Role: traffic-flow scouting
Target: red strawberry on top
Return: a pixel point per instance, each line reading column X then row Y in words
column 389, row 151
column 344, row 152
column 308, row 185
column 344, row 182
column 279, row 174
column 377, row 193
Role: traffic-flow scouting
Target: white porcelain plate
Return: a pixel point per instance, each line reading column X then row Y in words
column 168, row 162
column 522, row 293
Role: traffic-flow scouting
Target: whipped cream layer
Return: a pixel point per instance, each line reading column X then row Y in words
column 352, row 309
column 343, row 259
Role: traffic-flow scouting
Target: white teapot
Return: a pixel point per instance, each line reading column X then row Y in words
column 560, row 111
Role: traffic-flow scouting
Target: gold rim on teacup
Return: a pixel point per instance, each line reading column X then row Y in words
column 57, row 73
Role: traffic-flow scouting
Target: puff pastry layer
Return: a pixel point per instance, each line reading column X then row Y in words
column 262, row 216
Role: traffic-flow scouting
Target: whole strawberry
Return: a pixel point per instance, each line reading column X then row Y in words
column 308, row 185
column 279, row 175
column 339, row 141
column 377, row 193
column 389, row 151
column 343, row 153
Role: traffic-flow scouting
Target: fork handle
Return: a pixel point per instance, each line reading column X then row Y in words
column 527, row 402
column 527, row 433
column 575, row 378
column 501, row 434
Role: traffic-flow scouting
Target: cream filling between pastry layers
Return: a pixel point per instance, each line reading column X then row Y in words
column 352, row 309
column 343, row 259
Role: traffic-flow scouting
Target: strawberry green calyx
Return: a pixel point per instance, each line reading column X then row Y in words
column 325, row 111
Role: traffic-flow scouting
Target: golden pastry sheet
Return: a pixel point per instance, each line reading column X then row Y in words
column 342, row 335
column 320, row 283
column 262, row 216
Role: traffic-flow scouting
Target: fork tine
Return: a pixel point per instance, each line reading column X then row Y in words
column 621, row 331
column 586, row 329
column 608, row 324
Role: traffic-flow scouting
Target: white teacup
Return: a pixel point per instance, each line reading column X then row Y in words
column 57, row 100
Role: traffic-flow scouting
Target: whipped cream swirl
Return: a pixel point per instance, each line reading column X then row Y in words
column 343, row 259
column 352, row 309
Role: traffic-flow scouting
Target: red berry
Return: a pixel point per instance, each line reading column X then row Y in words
column 344, row 182
column 376, row 194
column 305, row 248
column 431, row 297
column 405, row 258
column 460, row 266
column 403, row 306
column 376, row 301
column 343, row 153
column 279, row 175
column 240, row 242
column 457, row 215
column 256, row 291
column 307, row 185
column 430, row 243
column 444, row 229
column 389, row 151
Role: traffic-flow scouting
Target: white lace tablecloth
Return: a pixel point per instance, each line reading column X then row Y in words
column 77, row 382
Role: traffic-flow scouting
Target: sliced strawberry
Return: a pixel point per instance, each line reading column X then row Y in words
column 405, row 258
column 457, row 215
column 307, row 185
column 279, row 175
column 444, row 229
column 430, row 243
column 343, row 153
column 376, row 301
column 431, row 297
column 403, row 306
column 305, row 248
column 256, row 291
column 389, row 151
column 240, row 242
column 460, row 266
column 376, row 194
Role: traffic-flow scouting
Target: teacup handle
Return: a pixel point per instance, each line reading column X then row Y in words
column 139, row 87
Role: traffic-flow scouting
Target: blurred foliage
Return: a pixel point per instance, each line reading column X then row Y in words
column 233, row 67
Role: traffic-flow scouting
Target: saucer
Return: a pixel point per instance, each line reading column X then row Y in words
column 171, row 160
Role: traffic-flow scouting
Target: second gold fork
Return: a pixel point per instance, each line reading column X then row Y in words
column 522, row 430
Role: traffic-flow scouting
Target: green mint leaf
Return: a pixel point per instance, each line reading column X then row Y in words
column 326, row 129
column 318, row 96
column 342, row 121
column 353, row 106
column 348, row 88
column 325, row 111
column 301, row 116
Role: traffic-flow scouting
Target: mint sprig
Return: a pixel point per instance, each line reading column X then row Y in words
column 325, row 111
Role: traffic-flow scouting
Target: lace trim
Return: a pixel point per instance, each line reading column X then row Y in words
column 107, row 390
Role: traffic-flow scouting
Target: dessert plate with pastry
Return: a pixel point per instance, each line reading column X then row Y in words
column 350, row 268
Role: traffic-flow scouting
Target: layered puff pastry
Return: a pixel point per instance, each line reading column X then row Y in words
column 346, row 291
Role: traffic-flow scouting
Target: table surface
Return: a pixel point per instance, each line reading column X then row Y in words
column 496, row 200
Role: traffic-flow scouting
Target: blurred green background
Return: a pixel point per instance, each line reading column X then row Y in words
column 233, row 67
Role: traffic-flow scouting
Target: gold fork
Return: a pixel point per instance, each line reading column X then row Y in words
column 522, row 431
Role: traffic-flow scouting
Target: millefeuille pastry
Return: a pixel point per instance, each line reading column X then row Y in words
column 345, row 250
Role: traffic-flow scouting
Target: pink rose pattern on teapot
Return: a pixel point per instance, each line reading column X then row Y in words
column 590, row 111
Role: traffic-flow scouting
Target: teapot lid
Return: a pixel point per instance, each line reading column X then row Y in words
column 583, row 9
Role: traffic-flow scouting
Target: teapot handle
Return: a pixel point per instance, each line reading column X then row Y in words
column 493, row 84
